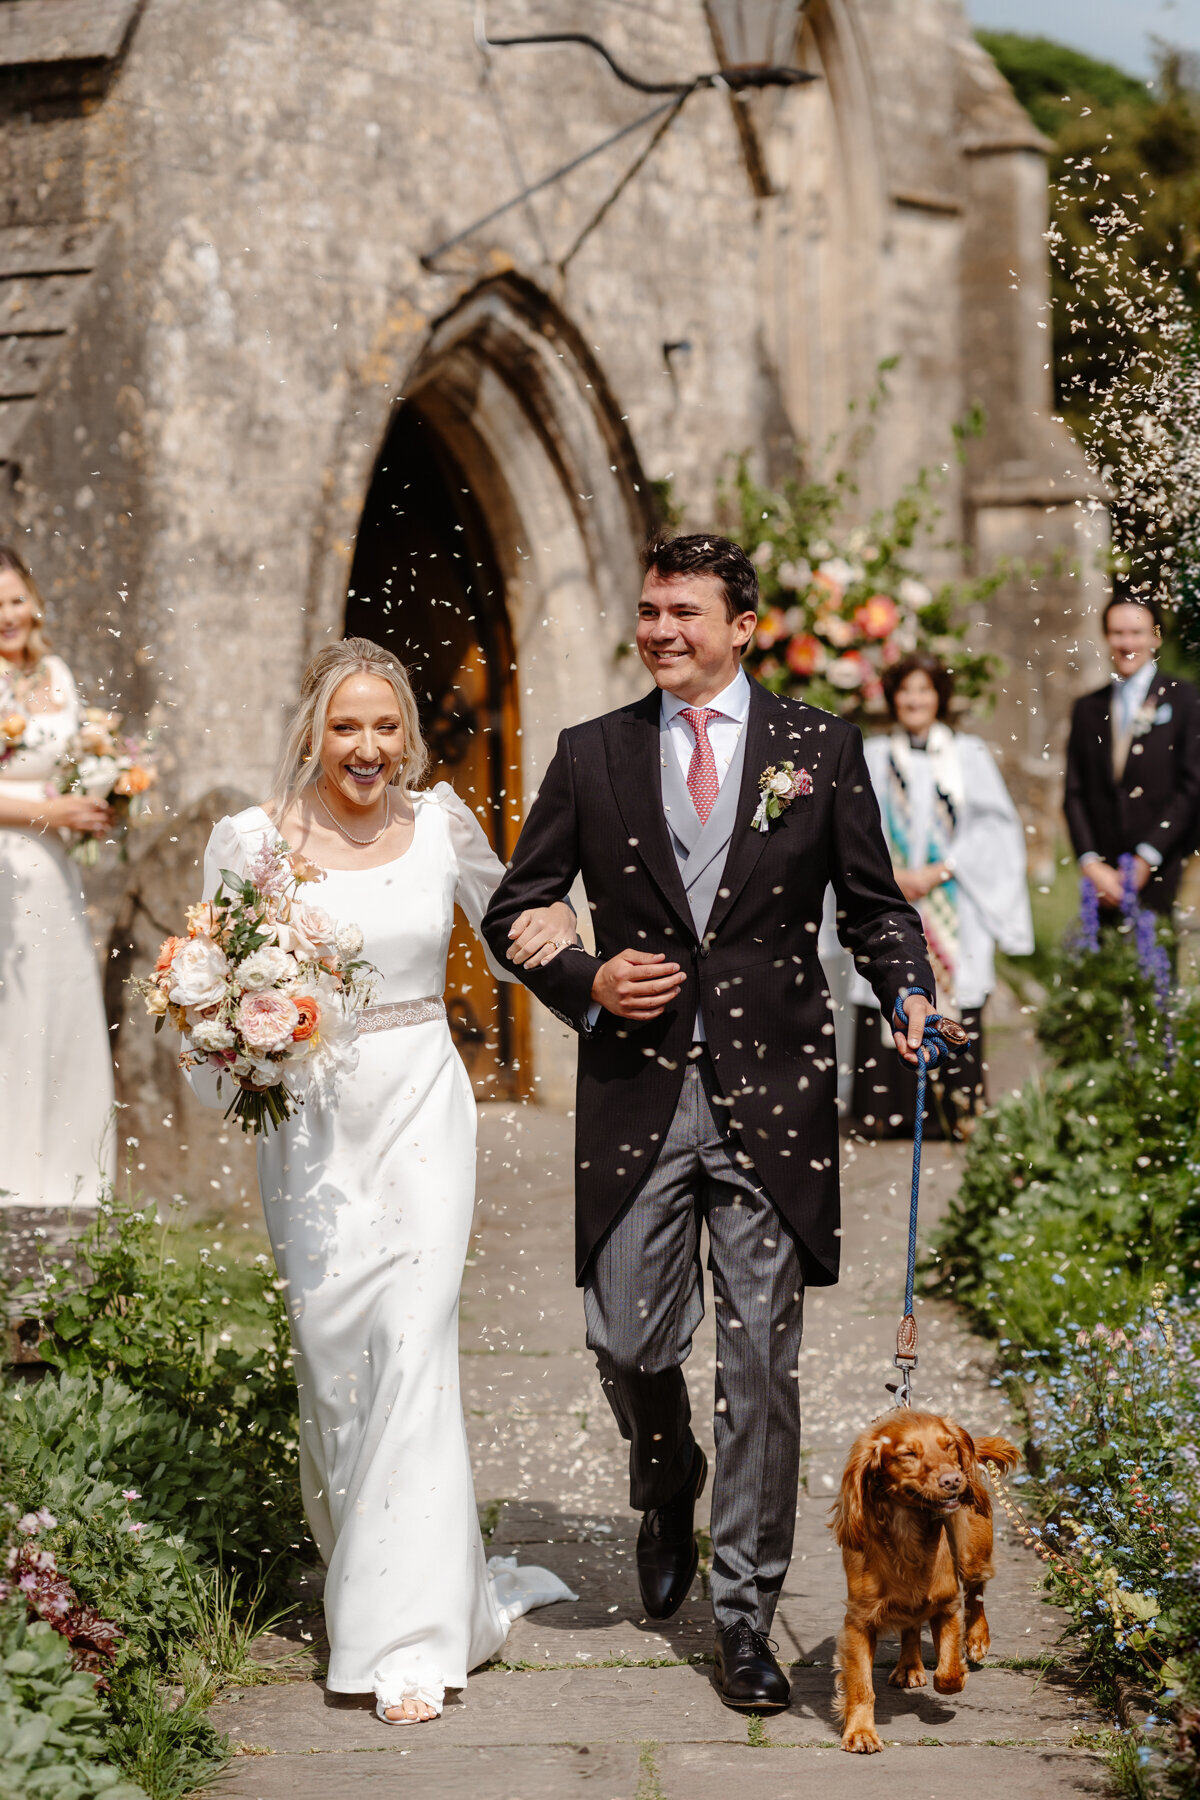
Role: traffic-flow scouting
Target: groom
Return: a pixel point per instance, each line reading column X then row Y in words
column 707, row 1068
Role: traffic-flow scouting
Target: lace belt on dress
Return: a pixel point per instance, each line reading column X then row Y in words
column 401, row 1012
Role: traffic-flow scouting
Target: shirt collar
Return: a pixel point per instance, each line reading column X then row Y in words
column 1133, row 688
column 732, row 702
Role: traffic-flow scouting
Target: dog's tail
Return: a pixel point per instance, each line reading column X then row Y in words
column 997, row 1450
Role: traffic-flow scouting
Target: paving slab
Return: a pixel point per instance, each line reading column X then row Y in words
column 586, row 1772
column 701, row 1772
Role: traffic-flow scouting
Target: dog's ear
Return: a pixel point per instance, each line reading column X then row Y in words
column 997, row 1450
column 968, row 1455
column 850, row 1508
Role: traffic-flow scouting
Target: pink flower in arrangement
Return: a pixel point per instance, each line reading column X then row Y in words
column 130, row 1494
column 805, row 655
column 266, row 1021
column 849, row 671
column 877, row 617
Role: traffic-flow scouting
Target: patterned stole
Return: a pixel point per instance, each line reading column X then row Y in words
column 938, row 909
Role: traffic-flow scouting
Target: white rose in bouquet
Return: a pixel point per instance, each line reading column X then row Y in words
column 349, row 940
column 210, row 1034
column 316, row 924
column 198, row 973
column 96, row 775
column 780, row 783
column 264, row 968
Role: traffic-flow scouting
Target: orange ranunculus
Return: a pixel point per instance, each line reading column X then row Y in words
column 303, row 869
column 167, row 952
column 133, row 781
column 877, row 617
column 771, row 627
column 202, row 919
column 310, row 1016
column 13, row 727
column 805, row 655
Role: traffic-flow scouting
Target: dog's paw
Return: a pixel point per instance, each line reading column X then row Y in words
column 978, row 1645
column 912, row 1677
column 862, row 1742
column 952, row 1683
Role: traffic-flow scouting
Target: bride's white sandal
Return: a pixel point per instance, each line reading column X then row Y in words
column 411, row 1686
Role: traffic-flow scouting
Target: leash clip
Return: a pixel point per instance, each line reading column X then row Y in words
column 905, row 1359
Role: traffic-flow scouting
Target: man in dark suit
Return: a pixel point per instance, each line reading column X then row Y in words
column 707, row 1068
column 1133, row 765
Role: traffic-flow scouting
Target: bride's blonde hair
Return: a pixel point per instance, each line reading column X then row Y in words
column 299, row 760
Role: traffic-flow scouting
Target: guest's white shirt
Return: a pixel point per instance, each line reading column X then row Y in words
column 1129, row 693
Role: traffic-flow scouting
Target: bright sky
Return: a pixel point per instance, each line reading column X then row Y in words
column 1117, row 31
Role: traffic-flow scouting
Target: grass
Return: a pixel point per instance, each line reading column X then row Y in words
column 756, row 1732
column 224, row 1629
column 649, row 1785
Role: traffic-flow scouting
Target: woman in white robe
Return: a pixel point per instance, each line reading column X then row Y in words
column 958, row 848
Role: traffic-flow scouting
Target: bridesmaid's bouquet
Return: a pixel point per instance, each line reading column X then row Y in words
column 12, row 734
column 266, row 989
column 104, row 764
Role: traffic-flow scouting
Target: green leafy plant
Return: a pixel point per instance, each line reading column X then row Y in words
column 206, row 1343
column 52, row 1722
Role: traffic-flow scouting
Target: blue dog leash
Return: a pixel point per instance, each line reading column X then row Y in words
column 942, row 1038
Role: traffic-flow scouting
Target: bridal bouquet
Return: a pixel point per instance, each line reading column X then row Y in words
column 265, row 987
column 105, row 765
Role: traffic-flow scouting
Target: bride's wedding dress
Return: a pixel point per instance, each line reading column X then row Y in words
column 368, row 1203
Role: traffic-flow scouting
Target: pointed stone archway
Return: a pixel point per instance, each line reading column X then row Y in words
column 497, row 550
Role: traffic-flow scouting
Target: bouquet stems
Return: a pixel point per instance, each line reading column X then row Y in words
column 256, row 1109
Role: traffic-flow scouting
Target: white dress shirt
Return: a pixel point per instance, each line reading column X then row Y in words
column 733, row 705
column 678, row 739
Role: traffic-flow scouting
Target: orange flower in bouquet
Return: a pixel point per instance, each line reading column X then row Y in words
column 877, row 617
column 805, row 655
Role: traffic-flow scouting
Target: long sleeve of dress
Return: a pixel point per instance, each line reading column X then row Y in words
column 225, row 850
column 989, row 852
column 480, row 872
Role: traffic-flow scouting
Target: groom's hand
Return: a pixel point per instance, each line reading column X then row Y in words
column 636, row 984
column 916, row 1010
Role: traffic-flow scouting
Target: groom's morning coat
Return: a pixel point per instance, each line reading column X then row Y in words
column 754, row 973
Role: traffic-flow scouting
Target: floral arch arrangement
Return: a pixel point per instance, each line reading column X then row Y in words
column 841, row 603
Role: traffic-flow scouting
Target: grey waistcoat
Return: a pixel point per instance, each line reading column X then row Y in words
column 700, row 850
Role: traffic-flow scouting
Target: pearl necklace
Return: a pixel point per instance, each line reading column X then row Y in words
column 363, row 843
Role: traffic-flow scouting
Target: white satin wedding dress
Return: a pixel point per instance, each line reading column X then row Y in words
column 368, row 1204
column 56, row 1079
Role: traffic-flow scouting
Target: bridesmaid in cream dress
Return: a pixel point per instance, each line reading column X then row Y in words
column 369, row 1199
column 56, row 1082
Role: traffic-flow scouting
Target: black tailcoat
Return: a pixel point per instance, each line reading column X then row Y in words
column 755, row 977
column 1156, row 800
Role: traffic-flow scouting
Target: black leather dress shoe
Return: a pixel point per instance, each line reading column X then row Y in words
column 747, row 1675
column 667, row 1553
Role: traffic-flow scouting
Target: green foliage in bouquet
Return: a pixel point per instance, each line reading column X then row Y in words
column 205, row 1349
column 840, row 603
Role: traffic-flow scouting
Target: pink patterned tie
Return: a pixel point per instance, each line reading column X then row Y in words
column 702, row 770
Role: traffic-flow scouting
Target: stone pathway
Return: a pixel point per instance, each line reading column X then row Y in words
column 594, row 1701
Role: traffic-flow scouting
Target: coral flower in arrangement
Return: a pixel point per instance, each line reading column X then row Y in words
column 13, row 727
column 310, row 1017
column 133, row 781
column 805, row 655
column 877, row 617
column 166, row 953
column 771, row 627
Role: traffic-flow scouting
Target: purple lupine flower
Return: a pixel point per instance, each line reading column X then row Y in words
column 1087, row 935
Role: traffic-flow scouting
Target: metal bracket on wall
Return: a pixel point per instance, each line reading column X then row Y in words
column 729, row 80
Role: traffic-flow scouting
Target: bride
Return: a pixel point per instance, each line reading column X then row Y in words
column 368, row 1203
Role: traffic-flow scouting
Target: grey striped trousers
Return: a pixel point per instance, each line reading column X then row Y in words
column 643, row 1299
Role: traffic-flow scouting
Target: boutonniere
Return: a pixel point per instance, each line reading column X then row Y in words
column 778, row 786
column 1149, row 714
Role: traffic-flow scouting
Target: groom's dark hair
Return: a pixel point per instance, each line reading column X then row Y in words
column 705, row 554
